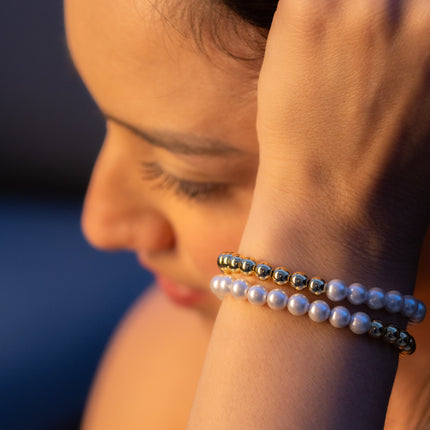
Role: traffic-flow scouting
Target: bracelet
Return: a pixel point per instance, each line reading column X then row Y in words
column 318, row 311
column 336, row 290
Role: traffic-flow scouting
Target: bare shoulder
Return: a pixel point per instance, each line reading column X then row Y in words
column 150, row 369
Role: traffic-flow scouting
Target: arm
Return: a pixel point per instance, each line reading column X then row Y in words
column 330, row 200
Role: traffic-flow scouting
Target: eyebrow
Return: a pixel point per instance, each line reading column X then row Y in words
column 179, row 142
column 175, row 142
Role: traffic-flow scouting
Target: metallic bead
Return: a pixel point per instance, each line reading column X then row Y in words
column 247, row 266
column 391, row 333
column 377, row 329
column 263, row 271
column 356, row 294
column 238, row 289
column 277, row 299
column 234, row 263
column 317, row 286
column 409, row 348
column 410, row 305
column 220, row 261
column 299, row 280
column 257, row 295
column 403, row 339
column 319, row 311
column 336, row 290
column 376, row 298
column 280, row 276
column 360, row 323
column 298, row 304
column 340, row 317
column 226, row 263
column 420, row 313
column 393, row 301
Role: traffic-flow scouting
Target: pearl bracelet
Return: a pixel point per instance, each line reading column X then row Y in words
column 318, row 311
column 336, row 290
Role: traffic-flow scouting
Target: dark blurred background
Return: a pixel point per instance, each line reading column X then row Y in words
column 59, row 299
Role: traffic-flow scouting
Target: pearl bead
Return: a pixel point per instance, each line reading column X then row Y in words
column 420, row 313
column 336, row 290
column 257, row 295
column 340, row 317
column 277, row 299
column 319, row 311
column 376, row 298
column 239, row 288
column 298, row 304
column 410, row 305
column 224, row 286
column 393, row 301
column 360, row 323
column 214, row 284
column 357, row 294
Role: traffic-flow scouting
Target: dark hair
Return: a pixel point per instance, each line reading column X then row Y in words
column 258, row 12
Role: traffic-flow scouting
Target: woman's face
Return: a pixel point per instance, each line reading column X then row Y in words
column 174, row 178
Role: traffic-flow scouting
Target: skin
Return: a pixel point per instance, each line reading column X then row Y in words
column 154, row 68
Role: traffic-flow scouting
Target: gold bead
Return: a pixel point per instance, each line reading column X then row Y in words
column 263, row 271
column 391, row 333
column 247, row 266
column 299, row 280
column 317, row 286
column 280, row 276
column 403, row 339
column 235, row 263
column 377, row 329
column 226, row 263
column 409, row 348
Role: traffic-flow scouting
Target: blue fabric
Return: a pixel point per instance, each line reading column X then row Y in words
column 59, row 302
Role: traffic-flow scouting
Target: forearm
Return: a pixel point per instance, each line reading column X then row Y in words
column 267, row 369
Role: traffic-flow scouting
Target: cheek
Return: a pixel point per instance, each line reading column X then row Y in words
column 203, row 236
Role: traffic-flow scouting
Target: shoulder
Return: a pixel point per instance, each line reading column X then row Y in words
column 156, row 351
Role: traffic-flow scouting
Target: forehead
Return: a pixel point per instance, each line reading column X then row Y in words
column 146, row 69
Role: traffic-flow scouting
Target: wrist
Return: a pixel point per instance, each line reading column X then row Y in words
column 309, row 234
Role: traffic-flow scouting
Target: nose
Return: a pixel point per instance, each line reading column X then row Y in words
column 117, row 215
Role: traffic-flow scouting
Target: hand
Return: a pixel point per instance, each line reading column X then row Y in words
column 344, row 112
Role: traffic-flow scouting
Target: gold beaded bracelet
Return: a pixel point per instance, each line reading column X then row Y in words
column 336, row 290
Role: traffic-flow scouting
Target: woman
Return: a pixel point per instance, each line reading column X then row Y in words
column 315, row 157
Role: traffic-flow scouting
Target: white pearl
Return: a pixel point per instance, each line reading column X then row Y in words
column 298, row 304
column 410, row 305
column 319, row 311
column 360, row 323
column 357, row 294
column 376, row 298
column 336, row 290
column 277, row 299
column 257, row 295
column 239, row 288
column 420, row 313
column 393, row 301
column 340, row 317
column 224, row 286
column 214, row 284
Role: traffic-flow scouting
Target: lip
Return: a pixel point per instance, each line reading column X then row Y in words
column 178, row 293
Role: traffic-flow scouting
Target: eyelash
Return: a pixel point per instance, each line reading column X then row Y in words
column 181, row 188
